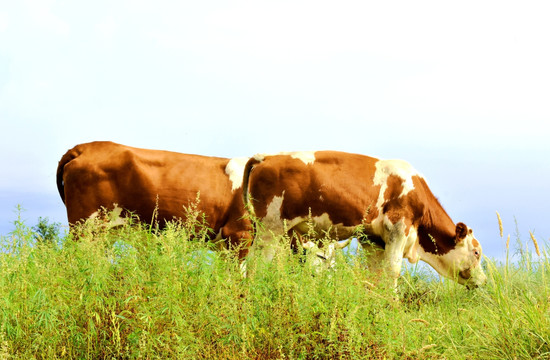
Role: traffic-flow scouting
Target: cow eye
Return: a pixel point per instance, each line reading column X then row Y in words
column 476, row 253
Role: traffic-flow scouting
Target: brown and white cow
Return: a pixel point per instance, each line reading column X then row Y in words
column 100, row 174
column 343, row 193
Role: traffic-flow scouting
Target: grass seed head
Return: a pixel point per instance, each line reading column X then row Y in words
column 535, row 242
column 500, row 224
column 420, row 321
column 427, row 347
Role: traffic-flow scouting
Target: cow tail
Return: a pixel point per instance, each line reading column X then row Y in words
column 68, row 157
column 249, row 167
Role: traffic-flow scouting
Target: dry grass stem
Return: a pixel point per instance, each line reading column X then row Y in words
column 424, row 348
column 535, row 242
column 500, row 224
column 420, row 321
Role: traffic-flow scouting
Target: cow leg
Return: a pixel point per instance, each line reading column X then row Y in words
column 236, row 240
column 241, row 241
column 220, row 242
column 380, row 271
column 265, row 244
column 262, row 245
column 375, row 258
column 395, row 241
column 269, row 228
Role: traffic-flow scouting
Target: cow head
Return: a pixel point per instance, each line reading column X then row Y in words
column 463, row 262
column 325, row 257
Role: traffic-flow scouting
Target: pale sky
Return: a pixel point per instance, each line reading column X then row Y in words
column 461, row 90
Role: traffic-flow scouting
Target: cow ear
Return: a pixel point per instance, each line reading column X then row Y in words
column 461, row 231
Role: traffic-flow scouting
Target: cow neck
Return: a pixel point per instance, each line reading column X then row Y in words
column 436, row 231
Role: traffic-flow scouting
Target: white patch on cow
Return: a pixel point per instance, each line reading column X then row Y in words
column 307, row 157
column 324, row 222
column 113, row 218
column 396, row 242
column 273, row 219
column 321, row 224
column 265, row 242
column 260, row 157
column 235, row 171
column 411, row 246
column 274, row 225
column 386, row 168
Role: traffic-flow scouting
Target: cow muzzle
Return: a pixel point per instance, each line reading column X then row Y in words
column 472, row 278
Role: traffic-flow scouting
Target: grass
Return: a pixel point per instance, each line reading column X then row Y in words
column 134, row 292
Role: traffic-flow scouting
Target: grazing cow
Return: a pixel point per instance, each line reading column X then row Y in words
column 353, row 195
column 148, row 182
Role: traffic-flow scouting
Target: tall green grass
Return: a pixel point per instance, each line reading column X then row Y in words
column 138, row 293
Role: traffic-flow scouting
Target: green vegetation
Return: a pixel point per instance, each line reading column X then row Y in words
column 46, row 232
column 139, row 293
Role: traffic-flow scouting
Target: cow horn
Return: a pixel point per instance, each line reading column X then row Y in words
column 341, row 245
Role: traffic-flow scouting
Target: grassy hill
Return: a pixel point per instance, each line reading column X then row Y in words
column 137, row 293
